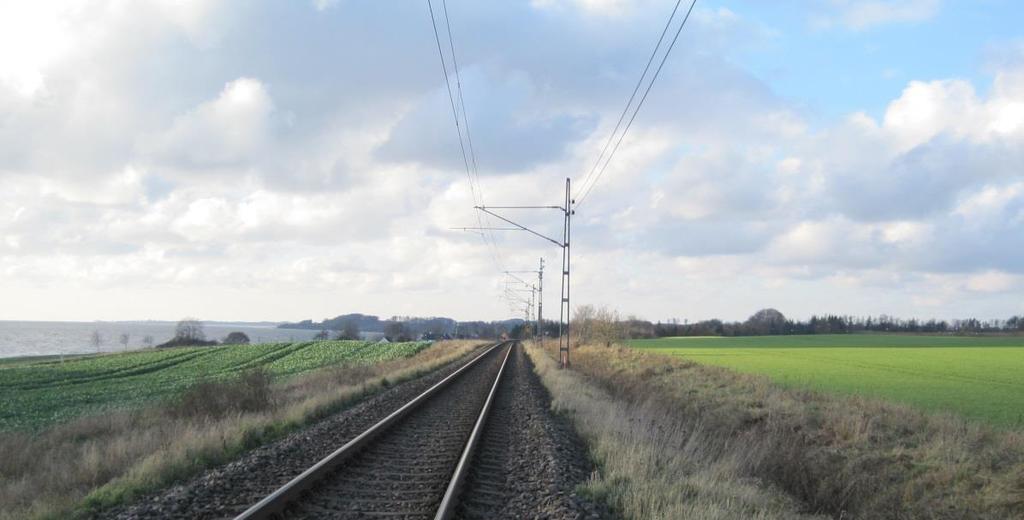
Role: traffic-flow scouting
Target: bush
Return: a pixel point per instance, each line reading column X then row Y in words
column 250, row 392
column 189, row 329
column 186, row 342
column 236, row 338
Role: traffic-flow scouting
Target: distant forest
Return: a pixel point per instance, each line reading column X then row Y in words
column 406, row 327
column 772, row 322
column 765, row 322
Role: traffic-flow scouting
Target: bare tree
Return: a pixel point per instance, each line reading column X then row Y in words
column 124, row 340
column 598, row 325
column 607, row 328
column 96, row 339
column 350, row 330
column 147, row 340
column 322, row 335
column 189, row 329
column 582, row 322
column 396, row 331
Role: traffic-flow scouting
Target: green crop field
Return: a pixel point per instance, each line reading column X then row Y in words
column 977, row 377
column 40, row 392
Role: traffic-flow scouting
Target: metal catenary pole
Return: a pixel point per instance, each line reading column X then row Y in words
column 529, row 311
column 564, row 308
column 536, row 298
column 540, row 303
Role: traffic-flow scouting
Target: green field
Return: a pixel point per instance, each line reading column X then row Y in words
column 977, row 377
column 41, row 392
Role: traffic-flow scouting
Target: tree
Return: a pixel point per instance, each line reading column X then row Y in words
column 322, row 335
column 607, row 328
column 236, row 338
column 582, row 323
column 598, row 325
column 189, row 329
column 349, row 330
column 147, row 340
column 766, row 321
column 124, row 339
column 396, row 331
column 96, row 339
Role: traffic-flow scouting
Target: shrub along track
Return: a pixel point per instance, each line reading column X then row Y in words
column 534, row 458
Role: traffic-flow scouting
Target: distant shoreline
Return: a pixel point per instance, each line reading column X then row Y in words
column 158, row 322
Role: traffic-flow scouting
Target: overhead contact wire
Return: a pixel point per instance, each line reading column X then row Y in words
column 488, row 234
column 647, row 91
column 632, row 97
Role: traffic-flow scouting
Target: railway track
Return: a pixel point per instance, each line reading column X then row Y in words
column 411, row 464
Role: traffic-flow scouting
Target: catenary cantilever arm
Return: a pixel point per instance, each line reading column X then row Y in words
column 520, row 226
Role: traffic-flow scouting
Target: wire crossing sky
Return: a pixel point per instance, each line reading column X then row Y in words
column 289, row 160
column 595, row 174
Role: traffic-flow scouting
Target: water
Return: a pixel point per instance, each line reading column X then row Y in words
column 40, row 338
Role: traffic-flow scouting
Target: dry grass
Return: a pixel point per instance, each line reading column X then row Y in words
column 94, row 462
column 680, row 440
column 654, row 465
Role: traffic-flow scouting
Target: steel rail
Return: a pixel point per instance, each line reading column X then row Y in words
column 450, row 500
column 276, row 502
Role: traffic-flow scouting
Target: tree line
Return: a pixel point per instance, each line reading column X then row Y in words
column 406, row 328
column 600, row 324
column 773, row 322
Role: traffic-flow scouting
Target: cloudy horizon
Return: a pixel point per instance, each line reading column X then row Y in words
column 288, row 160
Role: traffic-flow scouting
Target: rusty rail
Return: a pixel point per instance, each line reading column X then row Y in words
column 450, row 500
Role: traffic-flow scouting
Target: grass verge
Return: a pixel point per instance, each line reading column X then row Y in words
column 653, row 465
column 676, row 439
column 95, row 462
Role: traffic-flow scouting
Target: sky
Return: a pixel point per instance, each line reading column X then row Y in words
column 288, row 160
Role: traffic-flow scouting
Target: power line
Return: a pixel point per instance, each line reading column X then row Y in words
column 643, row 98
column 462, row 102
column 476, row 190
column 465, row 114
column 625, row 109
column 489, row 239
column 451, row 98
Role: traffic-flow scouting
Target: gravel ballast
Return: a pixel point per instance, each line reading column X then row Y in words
column 530, row 460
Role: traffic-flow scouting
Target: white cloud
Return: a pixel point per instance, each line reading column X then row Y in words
column 232, row 128
column 929, row 109
column 246, row 165
column 37, row 39
column 193, row 17
column 993, row 281
column 906, row 232
column 991, row 202
column 593, row 7
column 323, row 5
column 124, row 187
column 936, row 140
column 865, row 14
column 32, row 36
